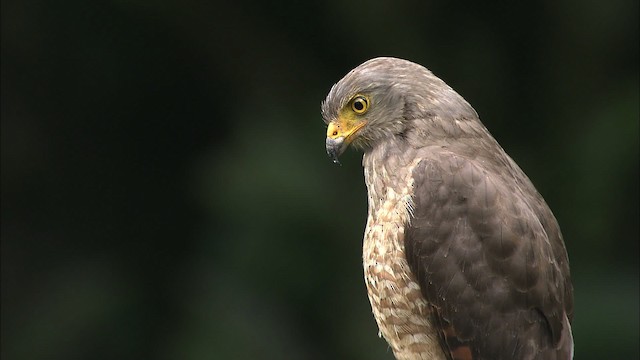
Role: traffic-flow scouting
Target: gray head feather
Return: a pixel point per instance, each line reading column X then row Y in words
column 400, row 92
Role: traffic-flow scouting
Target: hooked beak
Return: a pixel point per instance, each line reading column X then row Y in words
column 335, row 147
column 339, row 136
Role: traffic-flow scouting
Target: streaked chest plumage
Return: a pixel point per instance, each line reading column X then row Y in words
column 398, row 306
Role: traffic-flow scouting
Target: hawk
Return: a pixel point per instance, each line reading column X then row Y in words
column 462, row 257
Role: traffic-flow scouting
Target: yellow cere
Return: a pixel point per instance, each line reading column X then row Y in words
column 349, row 120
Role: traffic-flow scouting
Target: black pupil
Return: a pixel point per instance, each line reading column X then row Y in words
column 359, row 105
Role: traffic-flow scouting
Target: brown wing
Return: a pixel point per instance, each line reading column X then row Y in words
column 490, row 259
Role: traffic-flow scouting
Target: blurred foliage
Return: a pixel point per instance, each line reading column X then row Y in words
column 165, row 192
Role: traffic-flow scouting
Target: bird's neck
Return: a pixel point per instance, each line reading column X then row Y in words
column 387, row 161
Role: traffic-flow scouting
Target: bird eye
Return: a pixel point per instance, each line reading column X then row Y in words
column 360, row 104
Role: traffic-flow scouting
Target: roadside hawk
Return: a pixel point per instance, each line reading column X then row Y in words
column 462, row 257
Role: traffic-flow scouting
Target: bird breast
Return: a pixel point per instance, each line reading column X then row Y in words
column 397, row 303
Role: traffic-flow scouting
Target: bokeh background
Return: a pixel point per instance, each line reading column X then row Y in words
column 166, row 193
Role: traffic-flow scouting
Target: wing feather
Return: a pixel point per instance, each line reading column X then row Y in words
column 490, row 259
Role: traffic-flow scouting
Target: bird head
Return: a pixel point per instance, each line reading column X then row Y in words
column 379, row 99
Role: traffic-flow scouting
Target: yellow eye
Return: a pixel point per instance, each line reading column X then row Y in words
column 360, row 104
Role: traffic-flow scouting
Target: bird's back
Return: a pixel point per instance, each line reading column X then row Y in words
column 488, row 255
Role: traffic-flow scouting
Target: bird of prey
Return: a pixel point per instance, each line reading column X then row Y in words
column 462, row 257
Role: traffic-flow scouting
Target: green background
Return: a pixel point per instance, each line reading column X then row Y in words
column 166, row 192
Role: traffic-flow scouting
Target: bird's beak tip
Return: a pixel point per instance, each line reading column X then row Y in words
column 335, row 147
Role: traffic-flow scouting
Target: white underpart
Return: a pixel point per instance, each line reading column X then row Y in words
column 398, row 306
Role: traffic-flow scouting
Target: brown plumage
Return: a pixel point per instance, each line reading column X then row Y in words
column 463, row 259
